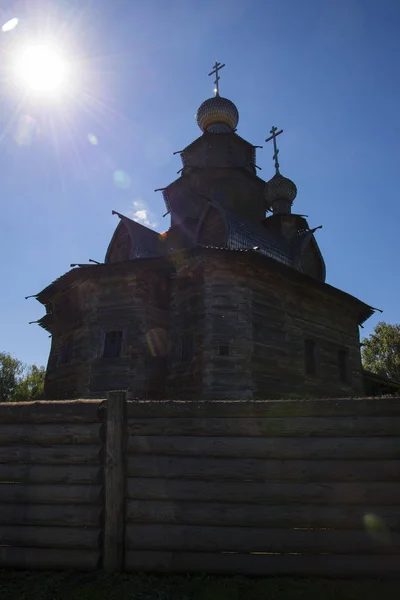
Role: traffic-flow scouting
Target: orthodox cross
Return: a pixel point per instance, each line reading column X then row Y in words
column 274, row 131
column 217, row 67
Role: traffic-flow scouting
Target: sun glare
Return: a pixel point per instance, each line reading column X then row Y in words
column 42, row 69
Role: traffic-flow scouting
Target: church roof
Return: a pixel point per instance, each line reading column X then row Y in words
column 246, row 234
column 144, row 241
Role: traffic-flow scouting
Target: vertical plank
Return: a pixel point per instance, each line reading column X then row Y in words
column 114, row 474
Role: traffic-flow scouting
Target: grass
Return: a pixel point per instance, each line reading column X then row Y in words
column 24, row 585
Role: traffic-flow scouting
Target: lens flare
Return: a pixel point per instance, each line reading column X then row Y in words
column 10, row 25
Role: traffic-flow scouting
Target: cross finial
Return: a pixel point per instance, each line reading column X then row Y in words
column 217, row 67
column 274, row 134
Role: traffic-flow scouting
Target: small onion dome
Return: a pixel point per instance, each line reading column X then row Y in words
column 280, row 193
column 217, row 115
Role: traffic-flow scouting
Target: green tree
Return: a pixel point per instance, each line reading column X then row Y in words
column 381, row 351
column 31, row 385
column 19, row 382
column 11, row 370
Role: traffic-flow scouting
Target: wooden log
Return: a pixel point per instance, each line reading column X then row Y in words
column 259, row 469
column 51, row 473
column 247, row 447
column 20, row 493
column 114, row 483
column 59, row 411
column 52, row 433
column 274, row 426
column 48, row 558
column 252, row 515
column 263, row 564
column 364, row 494
column 80, row 538
column 331, row 407
column 64, row 515
column 51, row 455
column 192, row 538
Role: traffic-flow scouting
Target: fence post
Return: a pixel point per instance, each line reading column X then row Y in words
column 114, row 482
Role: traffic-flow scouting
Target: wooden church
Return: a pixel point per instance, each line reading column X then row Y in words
column 230, row 302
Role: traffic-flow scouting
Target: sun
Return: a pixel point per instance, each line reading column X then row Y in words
column 42, row 69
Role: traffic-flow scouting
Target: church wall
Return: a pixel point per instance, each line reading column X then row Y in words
column 134, row 303
column 285, row 315
column 227, row 331
column 264, row 317
column 69, row 363
column 186, row 331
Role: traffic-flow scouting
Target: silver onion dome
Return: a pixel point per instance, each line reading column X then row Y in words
column 280, row 193
column 217, row 115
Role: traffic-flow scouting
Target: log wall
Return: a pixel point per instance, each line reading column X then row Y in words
column 51, row 485
column 264, row 488
column 290, row 487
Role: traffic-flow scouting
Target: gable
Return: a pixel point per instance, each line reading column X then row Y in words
column 212, row 230
column 120, row 247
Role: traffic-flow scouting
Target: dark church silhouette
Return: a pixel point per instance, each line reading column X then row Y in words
column 228, row 303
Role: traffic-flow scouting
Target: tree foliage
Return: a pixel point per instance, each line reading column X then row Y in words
column 381, row 351
column 19, row 382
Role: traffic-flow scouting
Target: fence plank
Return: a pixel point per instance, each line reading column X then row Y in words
column 192, row 538
column 245, row 469
column 60, row 411
column 53, row 433
column 51, row 515
column 335, row 407
column 263, row 564
column 364, row 494
column 79, row 538
column 51, row 455
column 113, row 549
column 48, row 558
column 274, row 426
column 271, row 447
column 50, row 494
column 250, row 515
column 50, row 473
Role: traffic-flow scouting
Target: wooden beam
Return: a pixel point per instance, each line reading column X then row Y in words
column 335, row 407
column 48, row 558
column 59, row 411
column 114, row 484
column 267, row 427
column 276, row 447
column 343, row 565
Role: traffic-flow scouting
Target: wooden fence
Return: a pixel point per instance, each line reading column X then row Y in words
column 262, row 488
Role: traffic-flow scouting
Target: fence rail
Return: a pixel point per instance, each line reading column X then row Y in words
column 277, row 487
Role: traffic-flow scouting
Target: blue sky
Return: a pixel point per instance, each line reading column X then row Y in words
column 325, row 71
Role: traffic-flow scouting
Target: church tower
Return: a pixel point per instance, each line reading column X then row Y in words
column 231, row 302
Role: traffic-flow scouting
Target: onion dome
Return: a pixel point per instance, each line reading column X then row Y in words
column 217, row 115
column 280, row 193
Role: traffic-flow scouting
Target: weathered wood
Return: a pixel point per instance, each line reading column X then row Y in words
column 60, row 411
column 51, row 455
column 263, row 564
column 64, row 515
column 48, row 558
column 246, row 469
column 274, row 426
column 364, row 494
column 345, row 407
column 113, row 548
column 51, row 473
column 52, row 433
column 246, row 447
column 251, row 515
column 50, row 494
column 192, row 538
column 80, row 538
